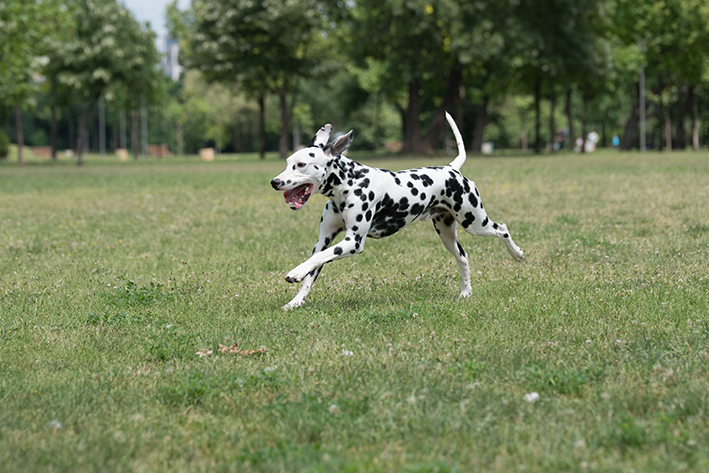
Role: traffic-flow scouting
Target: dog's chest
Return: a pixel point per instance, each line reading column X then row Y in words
column 397, row 209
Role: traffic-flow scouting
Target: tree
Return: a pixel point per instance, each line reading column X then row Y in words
column 110, row 53
column 483, row 39
column 60, row 28
column 671, row 38
column 267, row 45
column 20, row 32
column 556, row 39
column 411, row 42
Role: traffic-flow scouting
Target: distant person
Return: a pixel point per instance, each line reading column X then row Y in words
column 615, row 141
column 579, row 144
column 592, row 141
column 560, row 137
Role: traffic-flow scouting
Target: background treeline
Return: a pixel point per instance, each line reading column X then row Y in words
column 261, row 75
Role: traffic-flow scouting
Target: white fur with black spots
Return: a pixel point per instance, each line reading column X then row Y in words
column 370, row 202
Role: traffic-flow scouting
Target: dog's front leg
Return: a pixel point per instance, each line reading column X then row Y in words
column 331, row 224
column 356, row 233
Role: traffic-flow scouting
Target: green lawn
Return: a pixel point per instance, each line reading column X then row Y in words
column 114, row 275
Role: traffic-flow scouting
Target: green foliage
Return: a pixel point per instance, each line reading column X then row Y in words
column 4, row 145
column 130, row 294
column 264, row 42
column 20, row 30
column 109, row 52
column 39, row 138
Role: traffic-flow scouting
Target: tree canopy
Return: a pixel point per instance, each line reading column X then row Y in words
column 543, row 72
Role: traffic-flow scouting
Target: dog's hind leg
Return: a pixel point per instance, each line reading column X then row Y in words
column 445, row 226
column 503, row 234
column 331, row 224
column 476, row 222
column 489, row 228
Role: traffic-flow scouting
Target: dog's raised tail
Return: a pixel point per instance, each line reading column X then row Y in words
column 457, row 162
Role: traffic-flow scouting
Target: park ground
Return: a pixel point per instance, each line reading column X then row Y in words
column 125, row 286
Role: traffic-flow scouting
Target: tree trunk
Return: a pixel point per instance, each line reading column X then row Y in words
column 552, row 107
column 412, row 122
column 695, row 121
column 569, row 119
column 53, row 126
column 53, row 132
column 102, row 126
column 438, row 123
column 72, row 130
column 82, row 127
column 668, row 129
column 262, row 124
column 134, row 143
column 20, row 136
column 144, row 130
column 479, row 130
column 681, row 135
column 631, row 125
column 285, row 125
column 584, row 114
column 179, row 144
column 122, row 128
column 537, row 114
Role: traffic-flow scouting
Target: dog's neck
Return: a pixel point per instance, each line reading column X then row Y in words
column 340, row 170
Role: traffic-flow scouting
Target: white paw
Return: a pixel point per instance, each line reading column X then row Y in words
column 516, row 253
column 297, row 274
column 465, row 293
column 293, row 304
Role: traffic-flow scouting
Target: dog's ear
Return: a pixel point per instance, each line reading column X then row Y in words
column 340, row 145
column 321, row 137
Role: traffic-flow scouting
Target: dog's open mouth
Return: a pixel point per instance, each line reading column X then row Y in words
column 297, row 197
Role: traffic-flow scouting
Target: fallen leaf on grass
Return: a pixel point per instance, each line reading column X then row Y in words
column 204, row 353
column 234, row 349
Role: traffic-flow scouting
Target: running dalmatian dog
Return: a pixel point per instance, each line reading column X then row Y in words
column 370, row 202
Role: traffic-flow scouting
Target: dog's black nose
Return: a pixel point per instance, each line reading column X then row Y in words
column 276, row 183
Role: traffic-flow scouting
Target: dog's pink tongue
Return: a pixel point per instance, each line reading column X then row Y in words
column 289, row 194
column 294, row 197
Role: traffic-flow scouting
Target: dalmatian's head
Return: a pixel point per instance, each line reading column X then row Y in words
column 307, row 169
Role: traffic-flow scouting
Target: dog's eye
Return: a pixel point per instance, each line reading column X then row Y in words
column 301, row 165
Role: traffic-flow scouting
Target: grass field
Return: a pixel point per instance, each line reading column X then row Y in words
column 114, row 276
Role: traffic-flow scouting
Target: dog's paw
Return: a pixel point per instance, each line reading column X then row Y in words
column 292, row 305
column 297, row 274
column 466, row 293
column 516, row 253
